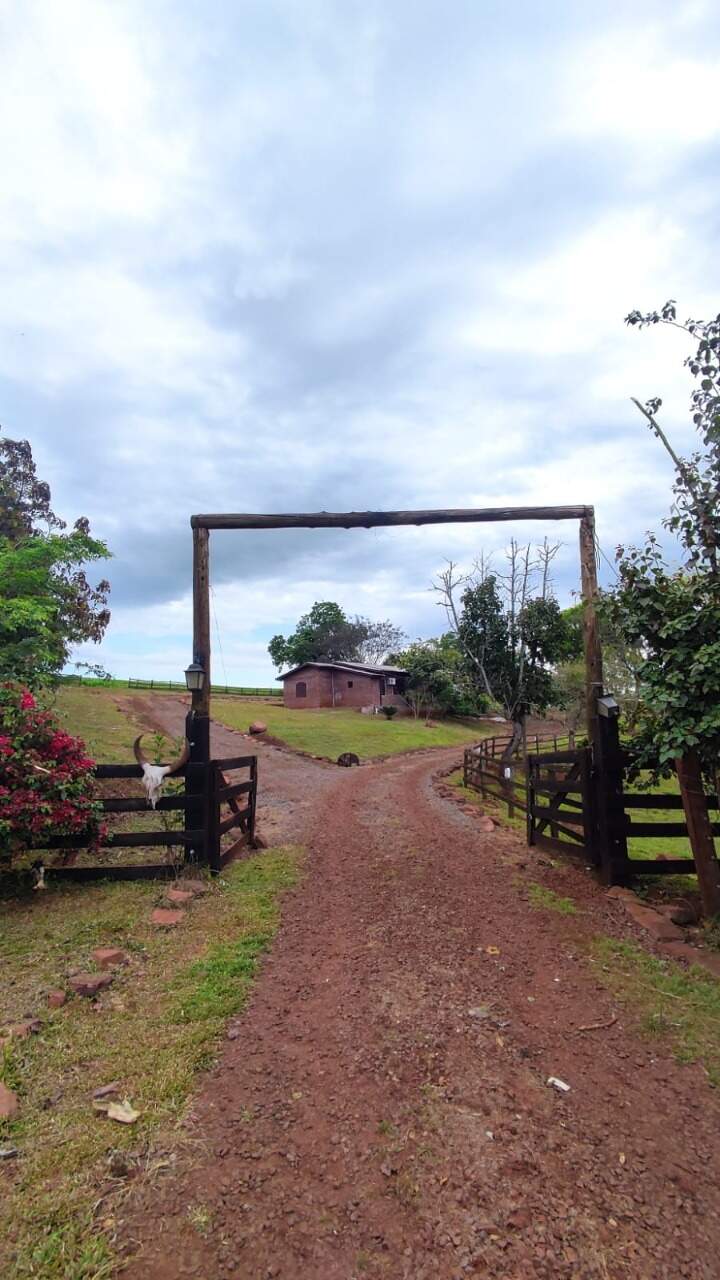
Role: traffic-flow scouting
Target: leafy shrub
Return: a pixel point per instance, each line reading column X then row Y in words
column 46, row 781
column 389, row 712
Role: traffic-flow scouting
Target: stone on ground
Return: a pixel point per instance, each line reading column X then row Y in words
column 8, row 1103
column 22, row 1030
column 257, row 726
column 657, row 926
column 195, row 887
column 56, row 999
column 167, row 919
column 179, row 896
column 88, row 984
column 110, row 955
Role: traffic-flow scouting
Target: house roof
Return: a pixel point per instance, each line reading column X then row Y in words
column 360, row 668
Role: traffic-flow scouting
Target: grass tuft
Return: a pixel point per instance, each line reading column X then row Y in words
column 682, row 1004
column 547, row 900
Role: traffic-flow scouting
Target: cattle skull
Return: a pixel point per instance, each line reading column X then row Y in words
column 155, row 774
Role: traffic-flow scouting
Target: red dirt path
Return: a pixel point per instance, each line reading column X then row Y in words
column 384, row 1110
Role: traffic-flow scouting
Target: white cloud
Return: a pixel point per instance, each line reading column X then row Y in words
column 280, row 255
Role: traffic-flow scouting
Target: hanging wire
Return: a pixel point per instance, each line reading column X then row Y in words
column 599, row 552
column 217, row 633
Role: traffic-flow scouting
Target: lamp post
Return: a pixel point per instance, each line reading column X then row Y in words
column 195, row 677
column 197, row 724
column 197, row 730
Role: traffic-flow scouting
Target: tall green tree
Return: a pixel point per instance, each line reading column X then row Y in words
column 327, row 634
column 672, row 613
column 47, row 603
column 437, row 678
column 510, row 629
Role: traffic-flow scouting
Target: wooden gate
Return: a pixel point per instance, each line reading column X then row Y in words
column 208, row 794
column 560, row 815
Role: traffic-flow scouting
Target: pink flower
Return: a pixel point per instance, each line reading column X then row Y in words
column 27, row 702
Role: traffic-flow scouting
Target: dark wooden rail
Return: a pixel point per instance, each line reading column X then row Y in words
column 209, row 791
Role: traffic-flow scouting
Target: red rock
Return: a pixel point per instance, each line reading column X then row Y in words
column 22, row 1030
column 682, row 913
column 662, row 930
column 110, row 955
column 88, row 984
column 486, row 823
column 168, row 919
column 257, row 726
column 193, row 886
column 618, row 891
column 56, row 999
column 180, row 896
column 709, row 960
column 8, row 1103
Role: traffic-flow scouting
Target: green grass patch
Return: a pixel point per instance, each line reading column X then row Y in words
column 547, row 900
column 155, row 1028
column 680, row 1004
column 94, row 715
column 328, row 733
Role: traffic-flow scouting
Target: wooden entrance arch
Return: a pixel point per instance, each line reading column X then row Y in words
column 199, row 718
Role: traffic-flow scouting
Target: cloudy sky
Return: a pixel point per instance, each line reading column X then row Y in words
column 271, row 255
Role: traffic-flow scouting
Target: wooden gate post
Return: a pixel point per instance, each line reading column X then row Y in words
column 212, row 817
column 197, row 724
column 700, row 831
column 591, row 633
column 608, row 802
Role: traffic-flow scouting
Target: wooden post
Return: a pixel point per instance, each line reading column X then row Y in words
column 699, row 831
column 610, row 821
column 201, row 617
column 591, row 633
column 197, row 725
column 212, row 818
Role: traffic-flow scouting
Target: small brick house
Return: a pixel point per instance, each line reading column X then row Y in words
column 343, row 684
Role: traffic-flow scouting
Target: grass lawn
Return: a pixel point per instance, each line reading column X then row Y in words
column 93, row 714
column 328, row 733
column 153, row 1030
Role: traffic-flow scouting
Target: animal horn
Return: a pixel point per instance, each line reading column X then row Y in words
column 181, row 760
column 137, row 751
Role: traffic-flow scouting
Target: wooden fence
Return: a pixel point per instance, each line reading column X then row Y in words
column 229, row 690
column 576, row 800
column 207, row 795
column 485, row 770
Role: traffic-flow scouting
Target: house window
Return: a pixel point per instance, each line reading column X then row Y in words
column 350, row 684
column 301, row 689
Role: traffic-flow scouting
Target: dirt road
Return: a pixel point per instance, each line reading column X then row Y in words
column 385, row 1111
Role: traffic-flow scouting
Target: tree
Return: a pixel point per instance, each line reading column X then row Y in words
column 47, row 604
column 621, row 662
column 326, row 634
column 381, row 638
column 437, row 681
column 672, row 614
column 510, row 629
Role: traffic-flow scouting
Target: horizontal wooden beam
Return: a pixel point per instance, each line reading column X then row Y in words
column 375, row 519
column 660, row 867
column 140, row 871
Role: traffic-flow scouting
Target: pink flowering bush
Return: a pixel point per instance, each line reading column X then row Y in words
column 46, row 779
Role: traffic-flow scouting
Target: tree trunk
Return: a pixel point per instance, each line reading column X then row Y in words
column 516, row 740
column 699, row 831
